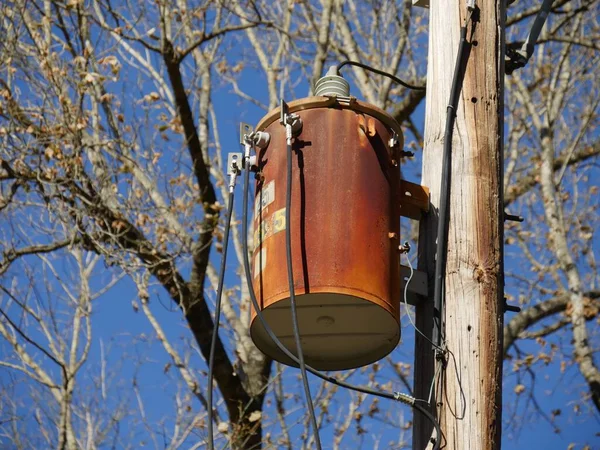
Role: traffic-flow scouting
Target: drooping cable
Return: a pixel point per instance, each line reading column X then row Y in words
column 405, row 298
column 215, row 334
column 443, row 210
column 379, row 72
column 290, row 271
column 443, row 350
column 397, row 396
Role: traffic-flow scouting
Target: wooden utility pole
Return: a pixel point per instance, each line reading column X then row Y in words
column 468, row 394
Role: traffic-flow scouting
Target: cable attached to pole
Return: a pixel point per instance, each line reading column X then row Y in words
column 233, row 173
column 443, row 210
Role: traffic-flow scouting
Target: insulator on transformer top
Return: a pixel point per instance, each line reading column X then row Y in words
column 332, row 84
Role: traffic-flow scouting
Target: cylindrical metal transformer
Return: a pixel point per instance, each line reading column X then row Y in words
column 345, row 234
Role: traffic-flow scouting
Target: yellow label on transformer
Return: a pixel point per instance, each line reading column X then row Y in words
column 269, row 226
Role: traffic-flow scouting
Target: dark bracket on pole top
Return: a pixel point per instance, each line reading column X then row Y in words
column 513, row 218
column 510, row 308
column 514, row 58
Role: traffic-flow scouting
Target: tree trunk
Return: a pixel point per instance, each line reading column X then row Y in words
column 469, row 391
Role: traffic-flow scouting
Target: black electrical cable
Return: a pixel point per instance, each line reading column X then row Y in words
column 290, row 271
column 443, row 215
column 379, row 72
column 438, row 432
column 519, row 55
column 215, row 334
column 406, row 399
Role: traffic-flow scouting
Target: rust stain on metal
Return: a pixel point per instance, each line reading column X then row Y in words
column 269, row 226
column 367, row 125
column 345, row 208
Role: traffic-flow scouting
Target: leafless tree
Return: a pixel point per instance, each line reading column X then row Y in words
column 551, row 179
column 111, row 172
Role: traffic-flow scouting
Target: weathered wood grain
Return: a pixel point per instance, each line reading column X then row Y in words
column 470, row 417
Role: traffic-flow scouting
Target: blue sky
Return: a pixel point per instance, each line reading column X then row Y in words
column 124, row 338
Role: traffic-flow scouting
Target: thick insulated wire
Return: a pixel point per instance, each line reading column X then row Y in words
column 215, row 334
column 290, row 271
column 432, row 419
column 443, row 215
column 379, row 72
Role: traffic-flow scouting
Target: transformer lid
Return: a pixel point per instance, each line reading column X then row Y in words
column 337, row 331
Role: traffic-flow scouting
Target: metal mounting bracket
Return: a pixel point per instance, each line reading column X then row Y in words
column 414, row 200
column 292, row 122
column 246, row 131
column 234, row 163
column 417, row 288
column 421, row 3
column 346, row 101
